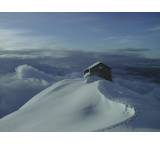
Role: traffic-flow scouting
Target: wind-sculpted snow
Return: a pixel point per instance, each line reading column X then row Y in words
column 70, row 105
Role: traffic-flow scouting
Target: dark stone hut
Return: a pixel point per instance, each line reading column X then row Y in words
column 99, row 69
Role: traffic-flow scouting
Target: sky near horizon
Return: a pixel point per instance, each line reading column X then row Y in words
column 127, row 32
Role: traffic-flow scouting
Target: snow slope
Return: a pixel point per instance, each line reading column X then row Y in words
column 70, row 105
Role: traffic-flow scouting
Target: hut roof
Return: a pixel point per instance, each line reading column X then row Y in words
column 95, row 64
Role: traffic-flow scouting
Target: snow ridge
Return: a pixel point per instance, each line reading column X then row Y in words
column 69, row 105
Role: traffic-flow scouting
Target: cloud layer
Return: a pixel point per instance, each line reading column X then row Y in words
column 25, row 73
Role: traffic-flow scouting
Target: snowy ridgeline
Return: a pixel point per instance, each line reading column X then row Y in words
column 72, row 105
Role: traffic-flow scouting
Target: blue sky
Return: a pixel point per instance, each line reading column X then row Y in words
column 129, row 32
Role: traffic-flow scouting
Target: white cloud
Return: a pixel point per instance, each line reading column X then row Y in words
column 26, row 71
column 12, row 39
column 154, row 28
column 39, row 53
column 110, row 38
column 125, row 40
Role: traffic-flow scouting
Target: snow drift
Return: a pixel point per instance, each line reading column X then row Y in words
column 70, row 105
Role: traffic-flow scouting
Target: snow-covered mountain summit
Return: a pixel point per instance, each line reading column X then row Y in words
column 70, row 105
